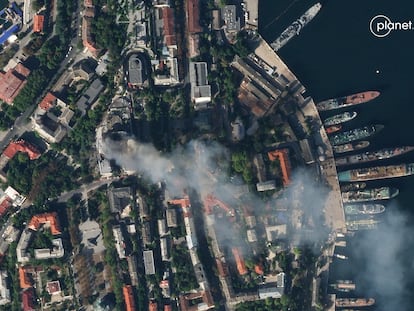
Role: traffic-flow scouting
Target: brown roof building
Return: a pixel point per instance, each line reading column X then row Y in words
column 193, row 16
column 38, row 23
column 48, row 101
column 12, row 82
column 169, row 26
column 47, row 218
column 24, row 279
column 21, row 146
column 283, row 156
column 188, row 302
column 241, row 267
column 129, row 298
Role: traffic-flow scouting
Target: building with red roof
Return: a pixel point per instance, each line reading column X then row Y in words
column 38, row 23
column 167, row 308
column 193, row 16
column 24, row 278
column 21, row 146
column 28, row 300
column 53, row 287
column 152, row 306
column 48, row 101
column 5, row 204
column 169, row 26
column 129, row 298
column 12, row 82
column 196, row 301
column 283, row 156
column 241, row 267
column 50, row 219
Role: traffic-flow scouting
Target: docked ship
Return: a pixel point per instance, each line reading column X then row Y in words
column 377, row 172
column 354, row 302
column 340, row 118
column 366, row 195
column 363, row 209
column 355, row 134
column 346, row 101
column 333, row 129
column 343, row 285
column 361, row 224
column 340, row 256
column 353, row 186
column 371, row 156
column 351, row 146
column 295, row 28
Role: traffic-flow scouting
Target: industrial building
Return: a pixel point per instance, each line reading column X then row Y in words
column 231, row 19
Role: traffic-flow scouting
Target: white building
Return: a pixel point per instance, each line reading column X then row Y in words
column 4, row 290
column 200, row 89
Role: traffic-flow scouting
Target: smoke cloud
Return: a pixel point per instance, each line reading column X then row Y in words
column 204, row 167
column 385, row 262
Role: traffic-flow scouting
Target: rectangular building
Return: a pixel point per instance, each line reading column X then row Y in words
column 149, row 262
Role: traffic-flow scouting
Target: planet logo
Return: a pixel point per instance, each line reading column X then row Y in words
column 381, row 26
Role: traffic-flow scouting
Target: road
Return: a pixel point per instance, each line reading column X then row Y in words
column 84, row 189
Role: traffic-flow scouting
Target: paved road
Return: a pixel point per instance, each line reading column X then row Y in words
column 84, row 189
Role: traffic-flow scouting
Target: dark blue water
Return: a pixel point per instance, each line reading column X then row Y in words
column 336, row 55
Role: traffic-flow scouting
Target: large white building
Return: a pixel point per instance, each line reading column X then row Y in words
column 200, row 89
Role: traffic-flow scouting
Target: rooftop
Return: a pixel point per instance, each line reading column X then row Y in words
column 53, row 287
column 12, row 82
column 21, row 146
column 193, row 16
column 38, row 23
column 129, row 298
column 51, row 219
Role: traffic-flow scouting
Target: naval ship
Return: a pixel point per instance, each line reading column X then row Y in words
column 355, row 134
column 354, row 302
column 351, row 100
column 351, row 146
column 363, row 209
column 353, row 186
column 377, row 172
column 366, row 195
column 343, row 285
column 340, row 118
column 371, row 156
column 295, row 28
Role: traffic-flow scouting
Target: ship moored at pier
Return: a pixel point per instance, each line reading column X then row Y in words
column 371, row 156
column 340, row 118
column 346, row 101
column 355, row 134
column 377, row 172
column 351, row 146
column 363, row 209
column 354, row 302
column 366, row 195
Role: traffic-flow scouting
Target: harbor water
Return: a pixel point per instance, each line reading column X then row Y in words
column 336, row 55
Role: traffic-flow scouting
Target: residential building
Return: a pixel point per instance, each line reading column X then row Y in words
column 132, row 269
column 127, row 290
column 21, row 250
column 24, row 280
column 119, row 241
column 146, row 233
column 201, row 300
column 12, row 82
column 275, row 232
column 21, row 146
column 149, row 266
column 53, row 288
column 38, row 23
column 273, row 290
column 4, row 290
column 28, row 298
column 266, row 185
column 48, row 219
column 119, row 199
column 56, row 252
column 171, row 215
column 162, row 227
column 165, row 254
